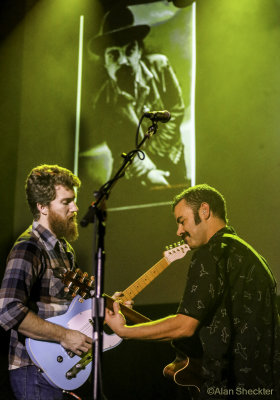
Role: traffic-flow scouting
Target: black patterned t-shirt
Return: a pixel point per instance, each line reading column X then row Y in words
column 232, row 292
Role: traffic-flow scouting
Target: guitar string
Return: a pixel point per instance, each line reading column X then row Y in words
column 153, row 272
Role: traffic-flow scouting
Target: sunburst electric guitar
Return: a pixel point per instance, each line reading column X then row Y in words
column 63, row 368
column 185, row 371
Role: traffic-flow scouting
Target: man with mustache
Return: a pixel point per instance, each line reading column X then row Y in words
column 31, row 289
column 229, row 302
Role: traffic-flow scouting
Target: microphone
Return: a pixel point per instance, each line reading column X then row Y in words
column 161, row 116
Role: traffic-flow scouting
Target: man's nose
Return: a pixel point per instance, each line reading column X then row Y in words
column 123, row 60
column 74, row 207
column 180, row 231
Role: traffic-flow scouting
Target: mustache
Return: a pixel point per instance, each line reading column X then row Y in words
column 72, row 220
column 125, row 78
column 73, row 216
column 124, row 71
column 184, row 235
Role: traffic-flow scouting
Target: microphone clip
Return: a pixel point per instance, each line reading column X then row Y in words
column 158, row 116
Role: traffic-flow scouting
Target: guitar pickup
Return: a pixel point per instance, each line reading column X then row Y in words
column 70, row 353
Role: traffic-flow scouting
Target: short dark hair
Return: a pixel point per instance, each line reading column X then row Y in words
column 196, row 195
column 40, row 185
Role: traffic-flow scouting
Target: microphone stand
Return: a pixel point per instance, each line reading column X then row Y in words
column 97, row 215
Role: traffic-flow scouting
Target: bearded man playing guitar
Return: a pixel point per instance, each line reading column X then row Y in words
column 32, row 289
column 229, row 303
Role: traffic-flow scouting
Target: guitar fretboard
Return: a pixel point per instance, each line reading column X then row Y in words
column 144, row 280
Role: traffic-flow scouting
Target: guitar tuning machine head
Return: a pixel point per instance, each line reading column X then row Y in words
column 83, row 277
column 90, row 281
column 75, row 290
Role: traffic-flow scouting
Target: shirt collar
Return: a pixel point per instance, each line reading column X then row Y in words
column 44, row 235
column 220, row 232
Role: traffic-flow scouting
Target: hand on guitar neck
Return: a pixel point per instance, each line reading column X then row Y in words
column 119, row 296
column 116, row 318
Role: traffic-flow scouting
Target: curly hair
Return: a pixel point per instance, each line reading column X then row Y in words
column 196, row 195
column 41, row 182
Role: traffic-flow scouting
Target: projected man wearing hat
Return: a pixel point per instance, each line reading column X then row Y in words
column 136, row 83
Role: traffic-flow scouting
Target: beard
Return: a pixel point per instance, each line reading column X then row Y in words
column 126, row 78
column 63, row 227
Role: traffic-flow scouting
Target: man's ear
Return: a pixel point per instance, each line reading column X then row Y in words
column 204, row 211
column 43, row 210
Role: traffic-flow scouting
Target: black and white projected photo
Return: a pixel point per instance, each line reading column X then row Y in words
column 141, row 60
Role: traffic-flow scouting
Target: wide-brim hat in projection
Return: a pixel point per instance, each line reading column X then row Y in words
column 117, row 29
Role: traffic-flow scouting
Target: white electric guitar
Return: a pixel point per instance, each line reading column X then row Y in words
column 62, row 368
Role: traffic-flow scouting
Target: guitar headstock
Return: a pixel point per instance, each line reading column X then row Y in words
column 176, row 251
column 78, row 282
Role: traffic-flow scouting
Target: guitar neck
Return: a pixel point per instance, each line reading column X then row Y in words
column 129, row 313
column 144, row 280
column 79, row 283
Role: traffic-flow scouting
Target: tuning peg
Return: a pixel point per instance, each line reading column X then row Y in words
column 75, row 290
column 68, row 284
column 83, row 294
column 90, row 281
column 83, row 277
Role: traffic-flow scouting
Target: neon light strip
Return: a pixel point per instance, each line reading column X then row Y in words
column 79, row 92
column 193, row 157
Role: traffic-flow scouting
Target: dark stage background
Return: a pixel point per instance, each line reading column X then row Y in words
column 237, row 151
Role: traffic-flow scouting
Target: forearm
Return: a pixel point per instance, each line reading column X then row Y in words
column 166, row 329
column 37, row 328
column 154, row 330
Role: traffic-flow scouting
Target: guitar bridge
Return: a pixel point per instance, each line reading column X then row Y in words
column 72, row 373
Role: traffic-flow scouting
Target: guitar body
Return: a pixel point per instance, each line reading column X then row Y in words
column 54, row 360
column 185, row 372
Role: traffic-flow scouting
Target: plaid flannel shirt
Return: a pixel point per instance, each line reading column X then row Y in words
column 30, row 283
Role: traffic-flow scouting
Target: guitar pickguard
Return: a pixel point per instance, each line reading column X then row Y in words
column 54, row 360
